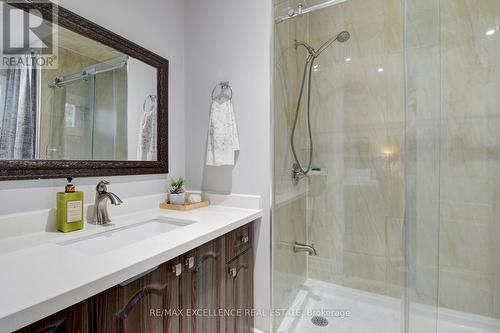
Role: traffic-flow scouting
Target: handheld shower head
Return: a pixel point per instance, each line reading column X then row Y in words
column 343, row 36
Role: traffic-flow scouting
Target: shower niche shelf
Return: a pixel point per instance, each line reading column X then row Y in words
column 322, row 172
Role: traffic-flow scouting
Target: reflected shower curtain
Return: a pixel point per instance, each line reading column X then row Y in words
column 17, row 131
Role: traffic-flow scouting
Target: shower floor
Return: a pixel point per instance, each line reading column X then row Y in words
column 372, row 313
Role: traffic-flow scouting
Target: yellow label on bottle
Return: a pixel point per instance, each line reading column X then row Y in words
column 73, row 211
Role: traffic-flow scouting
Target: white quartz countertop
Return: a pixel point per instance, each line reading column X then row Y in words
column 40, row 277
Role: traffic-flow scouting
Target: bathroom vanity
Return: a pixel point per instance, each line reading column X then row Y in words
column 207, row 289
column 150, row 270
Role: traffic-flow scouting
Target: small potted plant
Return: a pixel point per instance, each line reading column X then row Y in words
column 177, row 194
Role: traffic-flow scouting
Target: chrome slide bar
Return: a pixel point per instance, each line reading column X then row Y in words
column 301, row 10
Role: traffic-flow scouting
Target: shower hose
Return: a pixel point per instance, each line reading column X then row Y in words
column 305, row 76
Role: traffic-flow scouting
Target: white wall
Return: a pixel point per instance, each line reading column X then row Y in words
column 157, row 25
column 225, row 40
column 231, row 40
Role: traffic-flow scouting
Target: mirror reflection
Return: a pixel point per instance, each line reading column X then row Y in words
column 95, row 104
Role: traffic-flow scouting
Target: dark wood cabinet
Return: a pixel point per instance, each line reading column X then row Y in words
column 207, row 290
column 147, row 304
column 239, row 293
column 74, row 319
column 203, row 288
column 173, row 306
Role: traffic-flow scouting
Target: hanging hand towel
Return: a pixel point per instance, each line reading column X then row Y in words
column 223, row 139
column 146, row 147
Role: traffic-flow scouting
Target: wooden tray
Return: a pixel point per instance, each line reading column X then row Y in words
column 187, row 205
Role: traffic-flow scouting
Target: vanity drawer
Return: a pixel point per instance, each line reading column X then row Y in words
column 238, row 241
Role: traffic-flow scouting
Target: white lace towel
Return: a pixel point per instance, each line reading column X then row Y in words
column 222, row 135
column 146, row 147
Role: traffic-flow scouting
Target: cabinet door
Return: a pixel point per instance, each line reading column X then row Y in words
column 148, row 304
column 202, row 281
column 239, row 293
column 238, row 241
column 74, row 319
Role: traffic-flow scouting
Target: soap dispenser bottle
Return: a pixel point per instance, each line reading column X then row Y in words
column 69, row 208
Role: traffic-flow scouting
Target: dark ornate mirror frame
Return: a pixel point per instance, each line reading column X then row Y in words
column 34, row 169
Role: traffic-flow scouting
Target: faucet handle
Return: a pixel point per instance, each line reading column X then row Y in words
column 101, row 186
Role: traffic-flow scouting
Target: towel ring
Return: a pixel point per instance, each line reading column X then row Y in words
column 224, row 86
column 151, row 98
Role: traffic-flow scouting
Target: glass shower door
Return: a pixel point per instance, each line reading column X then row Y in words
column 289, row 199
column 350, row 207
column 453, row 179
column 469, row 261
column 72, row 122
column 89, row 115
column 422, row 165
column 110, row 123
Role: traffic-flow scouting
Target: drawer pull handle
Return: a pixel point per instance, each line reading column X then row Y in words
column 244, row 239
column 233, row 271
column 190, row 262
column 177, row 269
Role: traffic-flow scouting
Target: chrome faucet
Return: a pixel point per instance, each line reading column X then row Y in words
column 101, row 199
column 305, row 248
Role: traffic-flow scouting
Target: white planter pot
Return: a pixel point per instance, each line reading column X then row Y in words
column 177, row 199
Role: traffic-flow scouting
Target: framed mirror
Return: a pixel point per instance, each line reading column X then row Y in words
column 77, row 99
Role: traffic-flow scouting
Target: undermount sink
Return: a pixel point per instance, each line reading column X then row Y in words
column 116, row 238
